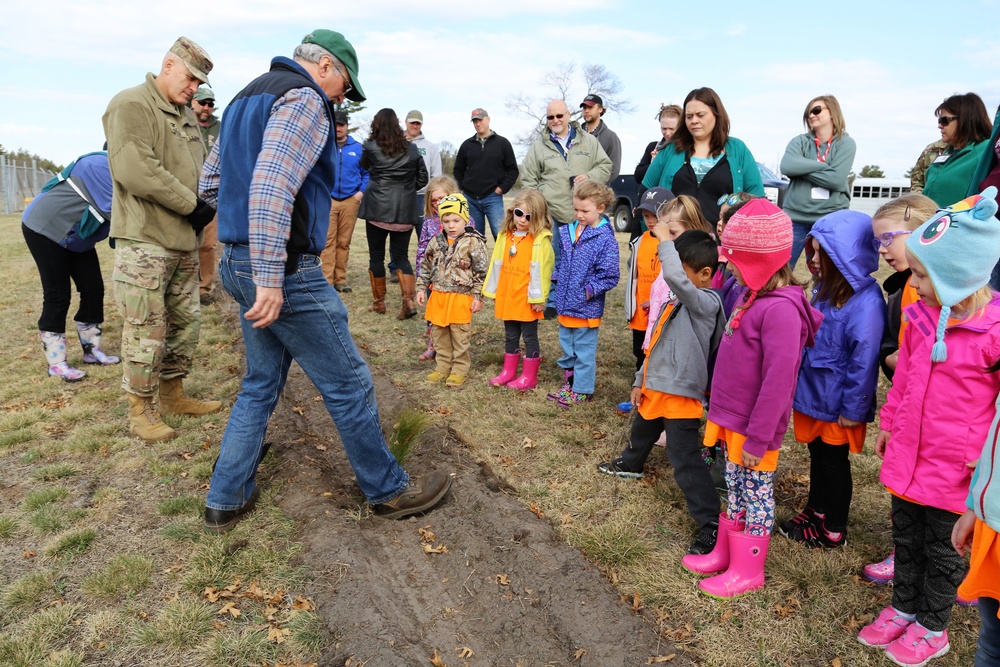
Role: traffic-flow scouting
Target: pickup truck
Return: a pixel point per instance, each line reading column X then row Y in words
column 627, row 193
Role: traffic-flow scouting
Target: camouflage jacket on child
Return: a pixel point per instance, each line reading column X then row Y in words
column 459, row 267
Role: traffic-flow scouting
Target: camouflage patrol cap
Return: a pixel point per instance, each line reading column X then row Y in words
column 195, row 57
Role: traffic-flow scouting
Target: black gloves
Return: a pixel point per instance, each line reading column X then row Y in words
column 201, row 216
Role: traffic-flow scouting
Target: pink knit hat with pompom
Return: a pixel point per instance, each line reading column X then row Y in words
column 758, row 240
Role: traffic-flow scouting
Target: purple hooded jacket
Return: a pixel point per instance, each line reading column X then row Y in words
column 757, row 367
column 585, row 271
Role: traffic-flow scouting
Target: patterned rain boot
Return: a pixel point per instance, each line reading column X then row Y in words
column 54, row 345
column 509, row 371
column 747, row 555
column 563, row 390
column 429, row 353
column 529, row 375
column 90, row 340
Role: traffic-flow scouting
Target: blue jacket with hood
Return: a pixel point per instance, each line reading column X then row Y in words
column 839, row 374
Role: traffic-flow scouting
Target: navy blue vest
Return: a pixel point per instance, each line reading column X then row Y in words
column 240, row 140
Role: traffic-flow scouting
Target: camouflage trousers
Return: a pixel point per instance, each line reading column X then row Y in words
column 157, row 292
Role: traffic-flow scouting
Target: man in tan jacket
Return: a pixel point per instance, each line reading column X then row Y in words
column 156, row 152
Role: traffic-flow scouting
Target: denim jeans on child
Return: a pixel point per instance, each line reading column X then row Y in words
column 311, row 330
column 579, row 348
column 988, row 654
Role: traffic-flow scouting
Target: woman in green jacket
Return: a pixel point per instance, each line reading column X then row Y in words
column 702, row 160
column 965, row 127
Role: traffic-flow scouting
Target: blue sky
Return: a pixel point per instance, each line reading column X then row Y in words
column 890, row 64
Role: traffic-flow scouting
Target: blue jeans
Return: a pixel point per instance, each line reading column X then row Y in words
column 311, row 330
column 580, row 356
column 988, row 654
column 800, row 230
column 490, row 206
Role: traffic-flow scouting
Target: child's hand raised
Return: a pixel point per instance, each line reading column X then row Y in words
column 661, row 232
column 881, row 440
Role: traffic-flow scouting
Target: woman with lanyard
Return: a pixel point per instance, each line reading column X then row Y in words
column 702, row 160
column 818, row 164
column 965, row 127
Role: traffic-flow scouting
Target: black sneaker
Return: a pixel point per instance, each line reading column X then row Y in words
column 704, row 542
column 816, row 536
column 220, row 521
column 616, row 469
column 794, row 528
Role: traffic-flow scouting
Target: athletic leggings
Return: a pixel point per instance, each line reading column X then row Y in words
column 57, row 266
column 830, row 483
column 751, row 491
column 513, row 331
column 928, row 569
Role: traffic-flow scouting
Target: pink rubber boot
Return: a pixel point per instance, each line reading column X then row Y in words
column 509, row 371
column 716, row 560
column 529, row 375
column 747, row 554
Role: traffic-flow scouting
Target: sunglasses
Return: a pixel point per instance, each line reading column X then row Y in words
column 816, row 110
column 945, row 121
column 558, row 115
column 518, row 213
column 885, row 240
column 206, row 103
column 731, row 200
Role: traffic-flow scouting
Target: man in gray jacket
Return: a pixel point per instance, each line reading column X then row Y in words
column 593, row 110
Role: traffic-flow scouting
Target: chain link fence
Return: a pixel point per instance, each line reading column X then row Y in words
column 20, row 181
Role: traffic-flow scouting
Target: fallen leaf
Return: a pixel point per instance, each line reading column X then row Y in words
column 231, row 609
column 211, row 594
column 429, row 549
column 536, row 510
column 464, row 652
column 277, row 635
column 580, row 652
column 506, row 460
column 836, row 663
column 219, row 625
column 656, row 660
column 503, row 579
column 172, row 568
column 28, row 553
column 636, row 604
column 326, row 494
column 598, row 435
column 527, row 443
column 303, row 603
column 101, row 645
column 426, row 534
column 436, row 660
column 297, row 410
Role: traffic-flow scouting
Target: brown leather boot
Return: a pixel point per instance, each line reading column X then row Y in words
column 378, row 293
column 423, row 493
column 408, row 286
column 144, row 420
column 174, row 402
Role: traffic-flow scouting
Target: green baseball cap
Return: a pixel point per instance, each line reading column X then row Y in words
column 338, row 45
column 204, row 93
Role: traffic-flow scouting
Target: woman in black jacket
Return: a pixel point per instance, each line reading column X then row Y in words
column 396, row 172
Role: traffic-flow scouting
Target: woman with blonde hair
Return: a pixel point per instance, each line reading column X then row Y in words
column 818, row 164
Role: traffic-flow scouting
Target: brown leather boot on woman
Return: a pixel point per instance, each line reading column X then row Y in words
column 408, row 286
column 378, row 293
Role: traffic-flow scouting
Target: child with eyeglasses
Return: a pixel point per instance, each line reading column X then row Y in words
column 586, row 269
column 437, row 189
column 518, row 280
column 936, row 417
column 455, row 265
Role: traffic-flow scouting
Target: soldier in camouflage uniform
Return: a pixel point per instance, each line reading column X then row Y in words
column 155, row 151
column 918, row 175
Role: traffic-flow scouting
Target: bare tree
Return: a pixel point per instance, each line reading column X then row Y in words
column 568, row 83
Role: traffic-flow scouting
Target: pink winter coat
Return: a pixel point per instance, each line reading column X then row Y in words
column 939, row 414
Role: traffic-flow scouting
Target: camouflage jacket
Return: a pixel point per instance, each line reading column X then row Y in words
column 918, row 175
column 459, row 267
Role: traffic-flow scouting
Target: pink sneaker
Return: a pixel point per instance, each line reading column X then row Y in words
column 917, row 647
column 882, row 571
column 887, row 628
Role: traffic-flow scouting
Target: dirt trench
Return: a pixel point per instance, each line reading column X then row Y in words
column 508, row 590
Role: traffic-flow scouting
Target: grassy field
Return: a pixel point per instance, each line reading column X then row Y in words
column 104, row 557
column 104, row 561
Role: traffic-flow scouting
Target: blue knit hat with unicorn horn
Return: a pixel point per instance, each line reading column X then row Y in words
column 958, row 248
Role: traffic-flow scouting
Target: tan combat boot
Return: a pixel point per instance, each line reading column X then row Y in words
column 144, row 420
column 174, row 402
column 408, row 286
column 378, row 293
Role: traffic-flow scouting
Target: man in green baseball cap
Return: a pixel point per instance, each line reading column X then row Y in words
column 278, row 151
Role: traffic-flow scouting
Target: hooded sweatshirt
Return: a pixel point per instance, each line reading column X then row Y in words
column 840, row 372
column 757, row 366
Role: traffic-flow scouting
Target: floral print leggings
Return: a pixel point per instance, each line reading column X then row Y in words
column 751, row 491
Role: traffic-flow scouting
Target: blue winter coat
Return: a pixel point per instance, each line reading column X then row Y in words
column 839, row 374
column 585, row 270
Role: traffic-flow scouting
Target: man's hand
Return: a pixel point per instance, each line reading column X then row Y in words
column 498, row 190
column 359, row 195
column 581, row 178
column 266, row 307
column 202, row 214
